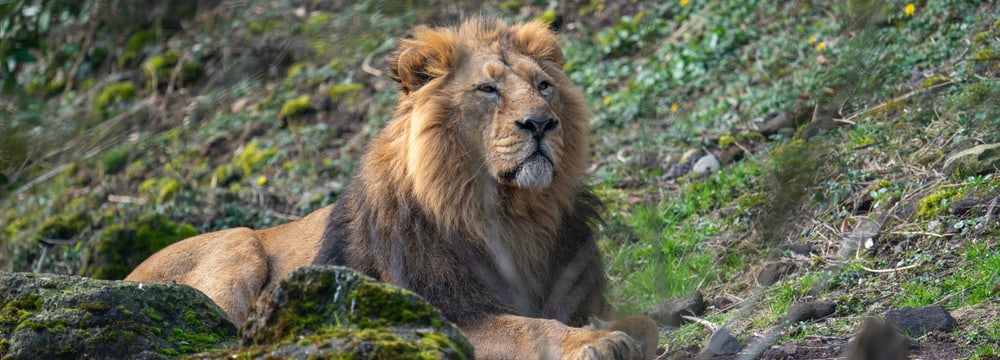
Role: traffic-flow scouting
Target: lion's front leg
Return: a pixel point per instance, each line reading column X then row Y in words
column 518, row 337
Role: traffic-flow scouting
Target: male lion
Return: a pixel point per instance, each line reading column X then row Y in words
column 473, row 196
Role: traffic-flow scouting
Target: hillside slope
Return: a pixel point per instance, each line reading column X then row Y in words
column 858, row 145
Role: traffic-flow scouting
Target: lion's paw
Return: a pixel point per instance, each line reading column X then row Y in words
column 615, row 345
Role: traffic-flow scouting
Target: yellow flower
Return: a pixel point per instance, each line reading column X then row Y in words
column 909, row 9
column 262, row 180
column 821, row 46
column 673, row 107
column 607, row 100
column 684, row 2
column 812, row 39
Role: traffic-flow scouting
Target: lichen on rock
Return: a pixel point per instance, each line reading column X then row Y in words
column 333, row 312
column 47, row 316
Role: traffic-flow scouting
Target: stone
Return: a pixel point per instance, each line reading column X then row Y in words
column 916, row 322
column 774, row 271
column 807, row 311
column 978, row 160
column 723, row 343
column 335, row 312
column 55, row 316
column 706, row 165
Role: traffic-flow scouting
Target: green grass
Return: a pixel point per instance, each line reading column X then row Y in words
column 670, row 253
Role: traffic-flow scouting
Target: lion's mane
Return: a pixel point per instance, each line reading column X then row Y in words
column 424, row 213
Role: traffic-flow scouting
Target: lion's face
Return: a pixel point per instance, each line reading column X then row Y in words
column 495, row 95
column 506, row 101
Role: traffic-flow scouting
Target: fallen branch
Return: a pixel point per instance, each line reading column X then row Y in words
column 882, row 271
column 850, row 119
column 710, row 325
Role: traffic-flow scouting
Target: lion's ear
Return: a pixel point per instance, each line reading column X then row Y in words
column 427, row 55
column 537, row 40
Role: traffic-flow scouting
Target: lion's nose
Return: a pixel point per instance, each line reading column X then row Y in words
column 537, row 125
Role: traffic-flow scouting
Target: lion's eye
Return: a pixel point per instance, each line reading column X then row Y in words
column 487, row 88
column 544, row 85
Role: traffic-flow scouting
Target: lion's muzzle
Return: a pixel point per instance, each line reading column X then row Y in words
column 537, row 125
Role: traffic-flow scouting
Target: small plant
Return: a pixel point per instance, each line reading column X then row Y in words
column 112, row 95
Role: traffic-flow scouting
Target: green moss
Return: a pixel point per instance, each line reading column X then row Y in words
column 113, row 94
column 295, row 70
column 316, row 23
column 932, row 205
column 226, row 174
column 260, row 27
column 345, row 93
column 548, row 16
column 252, row 157
column 511, row 5
column 136, row 170
column 159, row 69
column 385, row 310
column 985, row 55
column 114, row 159
column 121, row 247
column 296, row 106
column 160, row 190
column 28, row 324
column 725, row 141
column 933, row 80
column 64, row 226
column 136, row 43
column 97, row 306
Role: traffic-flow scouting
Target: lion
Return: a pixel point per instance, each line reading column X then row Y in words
column 472, row 196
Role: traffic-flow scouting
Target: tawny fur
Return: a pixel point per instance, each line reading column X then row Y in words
column 472, row 196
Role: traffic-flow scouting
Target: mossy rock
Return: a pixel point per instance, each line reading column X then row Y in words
column 978, row 160
column 121, row 248
column 47, row 316
column 335, row 312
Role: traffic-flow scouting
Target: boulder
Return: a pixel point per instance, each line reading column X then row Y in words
column 335, row 312
column 47, row 316
column 916, row 322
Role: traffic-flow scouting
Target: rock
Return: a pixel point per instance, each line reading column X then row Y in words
column 916, row 322
column 723, row 343
column 335, row 312
column 706, row 165
column 56, row 316
column 798, row 249
column 809, row 311
column 683, row 166
column 669, row 312
column 978, row 160
column 776, row 122
column 772, row 272
column 877, row 341
column 722, row 303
